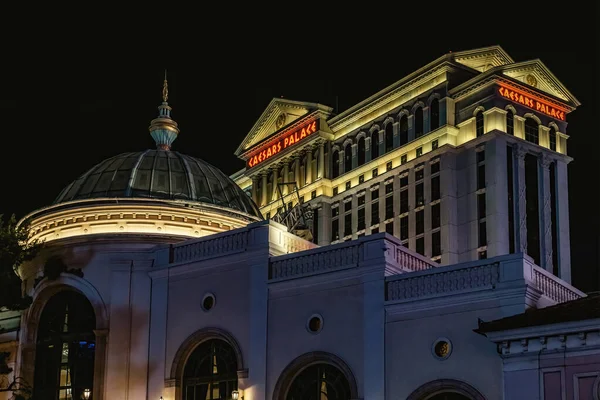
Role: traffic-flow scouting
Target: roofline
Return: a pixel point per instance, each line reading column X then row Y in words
column 558, row 328
column 488, row 48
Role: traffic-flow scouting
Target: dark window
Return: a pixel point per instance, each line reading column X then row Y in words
column 419, row 222
column 335, row 211
column 375, row 193
column 404, row 181
column 374, row 212
column 481, row 176
column 313, row 194
column 482, row 254
column 375, row 230
column 335, row 164
column 532, row 207
column 434, row 144
column 435, row 167
column 404, row 228
column 335, row 229
column 531, row 131
column 348, row 224
column 435, row 188
column 418, row 116
column 420, row 246
column 374, row 173
column 348, row 185
column 361, row 219
column 434, row 113
column 419, row 174
column 481, row 205
column 510, row 195
column 361, row 150
column 552, row 138
column 361, row 179
column 389, row 137
column 480, row 156
column 389, row 207
column 319, row 381
column 419, row 196
column 403, row 129
column 435, row 216
column 374, row 144
column 210, row 371
column 361, row 200
column 348, row 206
column 388, row 166
column 268, row 216
column 510, row 122
column 482, row 234
column 389, row 188
column 335, row 191
column 436, row 244
column 419, row 152
column 348, row 158
column 403, row 201
column 403, row 159
column 479, row 123
column 64, row 362
column 389, row 228
column 315, row 225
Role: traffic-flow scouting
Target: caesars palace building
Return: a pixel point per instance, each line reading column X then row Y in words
column 415, row 246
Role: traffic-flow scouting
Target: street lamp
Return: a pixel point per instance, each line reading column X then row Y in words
column 86, row 394
column 235, row 395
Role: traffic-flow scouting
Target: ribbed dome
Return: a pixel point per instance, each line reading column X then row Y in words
column 159, row 174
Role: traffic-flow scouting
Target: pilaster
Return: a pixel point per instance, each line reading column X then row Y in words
column 546, row 212
column 309, row 155
column 448, row 209
column 496, row 197
column 265, row 190
column 562, row 219
column 520, row 203
column 321, row 162
column 275, row 181
column 158, row 334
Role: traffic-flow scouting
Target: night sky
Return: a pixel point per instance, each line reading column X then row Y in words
column 71, row 98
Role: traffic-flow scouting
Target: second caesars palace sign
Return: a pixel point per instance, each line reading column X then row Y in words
column 285, row 141
column 532, row 102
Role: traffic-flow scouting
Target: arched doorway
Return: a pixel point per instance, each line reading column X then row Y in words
column 65, row 348
column 210, row 372
column 446, row 389
column 316, row 376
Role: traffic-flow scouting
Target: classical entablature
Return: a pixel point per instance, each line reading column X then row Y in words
column 279, row 116
column 483, row 59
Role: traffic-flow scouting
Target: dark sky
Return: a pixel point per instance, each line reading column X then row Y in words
column 77, row 93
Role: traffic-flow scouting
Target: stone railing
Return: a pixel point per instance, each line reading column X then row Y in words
column 553, row 287
column 442, row 281
column 319, row 260
column 211, row 246
column 413, row 261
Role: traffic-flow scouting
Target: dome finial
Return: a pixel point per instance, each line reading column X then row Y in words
column 163, row 129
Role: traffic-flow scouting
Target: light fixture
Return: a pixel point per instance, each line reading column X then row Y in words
column 86, row 394
column 235, row 395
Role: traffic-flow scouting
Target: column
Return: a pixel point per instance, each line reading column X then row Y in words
column 496, row 197
column 158, row 334
column 275, row 194
column 367, row 148
column 381, row 142
column 341, row 161
column 396, row 136
column 562, row 219
column 321, row 166
column 354, row 148
column 286, row 176
column 546, row 212
column 255, row 189
column 520, row 210
column 308, row 169
column 449, row 209
column 99, row 363
column 297, row 170
column 264, row 199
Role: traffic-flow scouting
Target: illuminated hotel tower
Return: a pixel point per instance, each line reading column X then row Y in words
column 465, row 158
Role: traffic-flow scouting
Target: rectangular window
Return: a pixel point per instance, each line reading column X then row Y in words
column 419, row 222
column 268, row 216
column 552, row 140
column 404, row 228
column 419, row 195
column 389, row 207
column 335, row 211
column 481, row 211
column 436, row 244
column 348, row 206
column 434, row 145
column 375, row 194
column 389, row 188
column 482, row 254
column 389, row 228
column 403, row 159
column 374, row 230
column 335, row 191
column 403, row 201
column 374, row 173
column 361, row 219
column 435, row 188
column 348, row 224
column 388, row 166
column 482, row 234
column 419, row 151
column 419, row 174
column 404, row 181
column 480, row 156
column 435, row 167
column 348, row 185
column 435, row 216
column 313, row 194
column 361, row 179
column 361, row 200
column 420, row 246
column 335, row 229
column 375, row 212
column 481, row 176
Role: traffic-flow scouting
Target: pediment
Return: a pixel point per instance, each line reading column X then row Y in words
column 278, row 114
column 536, row 75
column 483, row 59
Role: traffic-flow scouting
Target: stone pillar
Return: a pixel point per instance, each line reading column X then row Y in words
column 426, row 125
column 297, row 160
column 99, row 363
column 381, row 142
column 264, row 196
column 519, row 126
column 496, row 197
column 354, row 148
column 321, row 166
column 342, row 165
column 286, row 177
column 275, row 194
column 308, row 169
column 449, row 209
column 396, row 136
column 520, row 204
column 562, row 219
column 367, row 148
column 158, row 332
column 546, row 213
column 255, row 189
column 324, row 224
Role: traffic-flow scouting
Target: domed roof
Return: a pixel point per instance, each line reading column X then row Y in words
column 159, row 174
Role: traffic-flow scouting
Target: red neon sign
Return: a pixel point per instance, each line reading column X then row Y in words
column 532, row 102
column 287, row 140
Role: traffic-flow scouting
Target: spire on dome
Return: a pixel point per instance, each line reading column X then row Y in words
column 163, row 129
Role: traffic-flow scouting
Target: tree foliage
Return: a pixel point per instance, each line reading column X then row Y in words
column 15, row 249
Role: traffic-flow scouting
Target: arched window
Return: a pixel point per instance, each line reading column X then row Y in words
column 418, row 122
column 348, row 157
column 479, row 123
column 374, row 144
column 531, row 131
column 389, row 137
column 210, row 372
column 510, row 122
column 335, row 164
column 434, row 114
column 552, row 138
column 361, row 150
column 403, row 129
column 319, row 382
column 66, row 344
